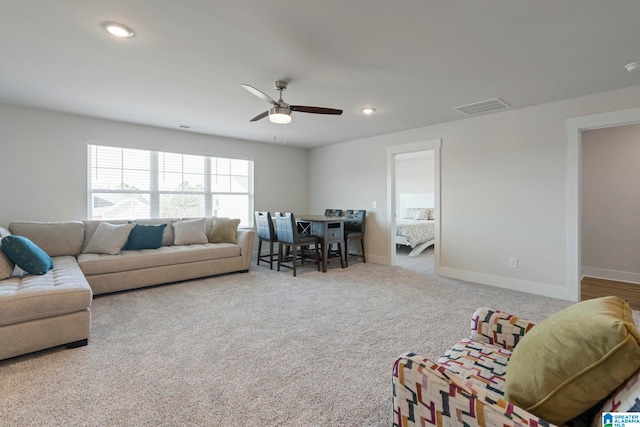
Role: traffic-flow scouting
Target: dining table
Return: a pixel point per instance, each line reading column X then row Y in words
column 330, row 229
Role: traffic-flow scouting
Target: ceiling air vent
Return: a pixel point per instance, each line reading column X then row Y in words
column 482, row 106
column 189, row 127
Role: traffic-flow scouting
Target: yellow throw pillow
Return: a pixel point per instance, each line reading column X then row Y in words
column 224, row 230
column 572, row 360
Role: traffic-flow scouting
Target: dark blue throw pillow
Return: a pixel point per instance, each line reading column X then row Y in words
column 26, row 254
column 145, row 237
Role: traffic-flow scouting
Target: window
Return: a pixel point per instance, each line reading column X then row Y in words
column 126, row 183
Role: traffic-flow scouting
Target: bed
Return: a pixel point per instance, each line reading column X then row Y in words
column 415, row 224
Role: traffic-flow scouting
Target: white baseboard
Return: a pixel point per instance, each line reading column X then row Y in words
column 543, row 289
column 602, row 273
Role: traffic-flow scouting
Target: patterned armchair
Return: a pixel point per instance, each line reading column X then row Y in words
column 465, row 387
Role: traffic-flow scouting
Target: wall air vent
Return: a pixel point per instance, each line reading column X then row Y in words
column 482, row 106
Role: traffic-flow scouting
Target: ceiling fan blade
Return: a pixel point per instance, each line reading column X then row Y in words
column 315, row 110
column 260, row 94
column 260, row 116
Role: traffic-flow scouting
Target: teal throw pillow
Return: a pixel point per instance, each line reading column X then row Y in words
column 26, row 254
column 145, row 237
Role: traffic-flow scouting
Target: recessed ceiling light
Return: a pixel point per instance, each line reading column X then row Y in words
column 118, row 30
column 632, row 66
column 368, row 110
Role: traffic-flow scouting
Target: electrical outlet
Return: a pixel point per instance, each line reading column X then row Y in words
column 513, row 262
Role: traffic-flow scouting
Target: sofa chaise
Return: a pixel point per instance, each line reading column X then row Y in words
column 51, row 309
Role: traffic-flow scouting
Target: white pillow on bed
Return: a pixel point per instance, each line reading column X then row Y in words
column 410, row 213
column 422, row 214
column 418, row 213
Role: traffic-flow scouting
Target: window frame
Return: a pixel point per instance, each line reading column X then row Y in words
column 154, row 192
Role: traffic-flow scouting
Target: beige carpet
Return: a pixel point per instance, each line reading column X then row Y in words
column 254, row 349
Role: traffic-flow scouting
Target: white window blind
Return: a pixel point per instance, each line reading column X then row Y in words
column 127, row 183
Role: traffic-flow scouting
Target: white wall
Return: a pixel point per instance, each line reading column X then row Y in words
column 611, row 202
column 503, row 190
column 414, row 172
column 43, row 163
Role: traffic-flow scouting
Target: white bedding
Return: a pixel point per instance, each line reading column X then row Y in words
column 416, row 231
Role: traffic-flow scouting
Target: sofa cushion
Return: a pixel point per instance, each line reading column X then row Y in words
column 189, row 232
column 575, row 358
column 224, row 230
column 55, row 238
column 109, row 238
column 482, row 363
column 145, row 237
column 61, row 290
column 26, row 254
column 93, row 264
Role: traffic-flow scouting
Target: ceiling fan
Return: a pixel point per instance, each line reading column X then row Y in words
column 281, row 111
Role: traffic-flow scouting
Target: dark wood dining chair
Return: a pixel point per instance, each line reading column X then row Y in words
column 333, row 212
column 266, row 233
column 354, row 227
column 289, row 238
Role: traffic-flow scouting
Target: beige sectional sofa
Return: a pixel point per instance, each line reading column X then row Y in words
column 42, row 311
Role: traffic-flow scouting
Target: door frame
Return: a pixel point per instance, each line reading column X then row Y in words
column 392, row 151
column 575, row 126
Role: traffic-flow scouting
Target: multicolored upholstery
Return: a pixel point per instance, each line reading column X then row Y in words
column 625, row 399
column 483, row 363
column 427, row 393
column 465, row 386
column 498, row 328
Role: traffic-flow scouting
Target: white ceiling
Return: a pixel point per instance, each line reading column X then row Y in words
column 413, row 60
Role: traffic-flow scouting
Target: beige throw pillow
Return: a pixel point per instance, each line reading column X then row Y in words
column 108, row 238
column 224, row 230
column 572, row 360
column 6, row 265
column 189, row 232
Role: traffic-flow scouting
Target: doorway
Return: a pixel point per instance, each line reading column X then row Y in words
column 418, row 187
column 610, row 232
column 415, row 205
column 575, row 127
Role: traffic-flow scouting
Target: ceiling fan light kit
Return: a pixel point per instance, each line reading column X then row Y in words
column 280, row 115
column 281, row 111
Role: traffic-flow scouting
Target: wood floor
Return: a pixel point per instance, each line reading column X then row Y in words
column 592, row 287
